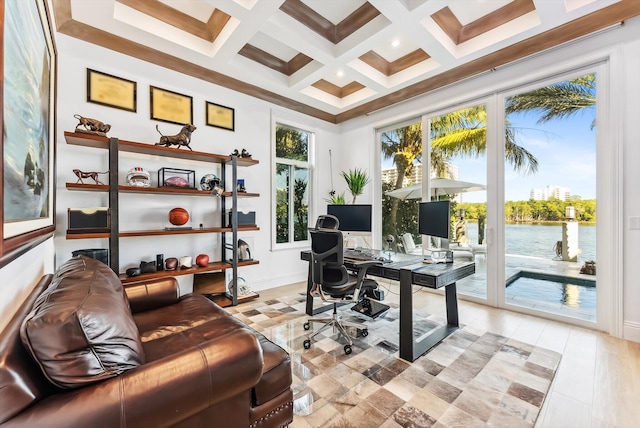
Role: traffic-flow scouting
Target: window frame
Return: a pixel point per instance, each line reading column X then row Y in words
column 276, row 122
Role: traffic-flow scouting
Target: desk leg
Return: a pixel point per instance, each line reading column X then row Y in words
column 452, row 305
column 411, row 349
column 406, row 316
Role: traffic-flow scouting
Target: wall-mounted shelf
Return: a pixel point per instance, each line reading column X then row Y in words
column 96, row 141
column 211, row 267
column 159, row 232
column 89, row 187
column 115, row 146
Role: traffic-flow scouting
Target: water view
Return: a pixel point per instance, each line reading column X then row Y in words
column 565, row 292
column 538, row 240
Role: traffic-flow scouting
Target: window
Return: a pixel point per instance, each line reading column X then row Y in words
column 292, row 184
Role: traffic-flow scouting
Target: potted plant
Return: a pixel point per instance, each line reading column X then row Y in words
column 336, row 199
column 356, row 180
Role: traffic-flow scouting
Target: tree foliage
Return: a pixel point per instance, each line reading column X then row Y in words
column 556, row 101
column 533, row 211
column 463, row 133
column 292, row 144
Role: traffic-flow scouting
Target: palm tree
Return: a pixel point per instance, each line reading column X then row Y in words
column 404, row 146
column 464, row 132
column 559, row 100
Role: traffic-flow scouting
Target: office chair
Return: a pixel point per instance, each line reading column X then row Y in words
column 331, row 281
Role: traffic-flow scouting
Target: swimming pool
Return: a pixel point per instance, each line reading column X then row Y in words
column 577, row 293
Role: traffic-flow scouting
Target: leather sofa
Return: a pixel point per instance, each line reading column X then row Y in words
column 84, row 351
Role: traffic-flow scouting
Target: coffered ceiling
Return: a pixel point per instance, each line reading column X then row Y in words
column 334, row 59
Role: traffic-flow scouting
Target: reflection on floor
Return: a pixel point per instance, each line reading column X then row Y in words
column 472, row 378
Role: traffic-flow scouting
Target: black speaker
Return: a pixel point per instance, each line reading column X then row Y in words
column 88, row 220
column 160, row 261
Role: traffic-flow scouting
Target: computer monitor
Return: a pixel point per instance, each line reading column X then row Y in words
column 352, row 218
column 434, row 218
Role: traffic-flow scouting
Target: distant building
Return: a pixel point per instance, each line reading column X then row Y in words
column 389, row 175
column 557, row 192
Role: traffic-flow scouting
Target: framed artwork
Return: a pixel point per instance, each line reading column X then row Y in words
column 172, row 107
column 220, row 116
column 28, row 121
column 111, row 91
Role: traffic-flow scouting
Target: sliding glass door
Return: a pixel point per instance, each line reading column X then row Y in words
column 457, row 166
column 523, row 169
column 550, row 212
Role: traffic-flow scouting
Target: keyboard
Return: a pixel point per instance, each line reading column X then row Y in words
column 363, row 256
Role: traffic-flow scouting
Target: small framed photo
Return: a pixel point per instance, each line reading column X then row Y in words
column 171, row 107
column 111, row 91
column 220, row 116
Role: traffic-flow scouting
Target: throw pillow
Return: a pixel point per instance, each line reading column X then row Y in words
column 81, row 330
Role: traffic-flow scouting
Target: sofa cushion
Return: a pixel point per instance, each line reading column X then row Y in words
column 276, row 372
column 81, row 330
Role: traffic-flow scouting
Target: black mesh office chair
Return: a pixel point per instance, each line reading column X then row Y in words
column 331, row 281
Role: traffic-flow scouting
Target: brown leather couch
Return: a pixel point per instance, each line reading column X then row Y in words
column 78, row 353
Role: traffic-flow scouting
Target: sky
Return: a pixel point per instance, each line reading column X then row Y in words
column 566, row 153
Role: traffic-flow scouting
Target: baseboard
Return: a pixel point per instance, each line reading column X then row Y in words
column 279, row 281
column 631, row 331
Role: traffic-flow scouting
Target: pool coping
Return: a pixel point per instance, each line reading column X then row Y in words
column 526, row 273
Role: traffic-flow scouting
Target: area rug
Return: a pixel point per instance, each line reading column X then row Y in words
column 473, row 378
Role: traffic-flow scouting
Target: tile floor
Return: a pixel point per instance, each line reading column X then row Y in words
column 597, row 384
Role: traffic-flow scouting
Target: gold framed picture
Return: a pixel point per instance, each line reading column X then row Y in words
column 220, row 116
column 111, row 91
column 169, row 106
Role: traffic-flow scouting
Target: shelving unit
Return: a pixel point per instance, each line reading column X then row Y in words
column 115, row 146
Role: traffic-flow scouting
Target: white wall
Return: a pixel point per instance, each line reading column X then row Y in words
column 138, row 211
column 631, row 193
column 624, row 47
column 18, row 278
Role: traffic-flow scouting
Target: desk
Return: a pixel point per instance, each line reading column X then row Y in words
column 409, row 270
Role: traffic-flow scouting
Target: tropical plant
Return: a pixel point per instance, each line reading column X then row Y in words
column 404, row 146
column 556, row 101
column 300, row 210
column 464, row 133
column 336, row 199
column 356, row 180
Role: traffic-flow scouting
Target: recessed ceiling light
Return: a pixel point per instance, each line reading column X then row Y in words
column 340, row 73
column 395, row 43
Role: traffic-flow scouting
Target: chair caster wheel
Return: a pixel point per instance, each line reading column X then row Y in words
column 306, row 344
column 347, row 349
column 306, row 326
column 364, row 332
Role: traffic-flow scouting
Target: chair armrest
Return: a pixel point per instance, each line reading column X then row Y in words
column 160, row 393
column 363, row 266
column 152, row 293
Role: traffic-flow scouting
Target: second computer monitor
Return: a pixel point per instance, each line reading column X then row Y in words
column 434, row 218
column 352, row 218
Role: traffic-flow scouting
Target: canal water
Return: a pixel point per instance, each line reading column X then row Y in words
column 538, row 240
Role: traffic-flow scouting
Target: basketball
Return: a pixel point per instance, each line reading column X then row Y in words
column 178, row 216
